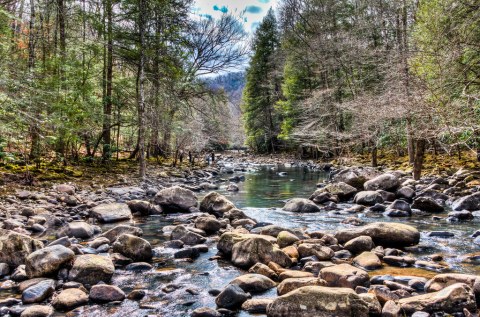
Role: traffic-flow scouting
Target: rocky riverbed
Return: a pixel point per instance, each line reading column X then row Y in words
column 363, row 242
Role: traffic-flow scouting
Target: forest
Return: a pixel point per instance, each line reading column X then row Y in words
column 338, row 77
column 96, row 80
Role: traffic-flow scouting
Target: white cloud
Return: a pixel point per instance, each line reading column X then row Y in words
column 251, row 11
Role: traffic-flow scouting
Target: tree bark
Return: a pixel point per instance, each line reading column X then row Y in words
column 374, row 156
column 107, row 100
column 419, row 155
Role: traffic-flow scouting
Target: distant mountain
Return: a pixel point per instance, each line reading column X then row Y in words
column 232, row 84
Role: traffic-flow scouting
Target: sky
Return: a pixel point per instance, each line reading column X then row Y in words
column 251, row 11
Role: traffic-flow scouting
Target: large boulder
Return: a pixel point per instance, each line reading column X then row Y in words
column 258, row 249
column 188, row 237
column 77, row 229
column 117, row 231
column 15, row 247
column 452, row 299
column 69, row 299
column 143, row 207
column 290, row 284
column 301, row 205
column 135, row 248
column 106, row 293
column 427, row 204
column 233, row 296
column 253, row 283
column 359, row 244
column 318, row 301
column 47, row 261
column 387, row 234
column 38, row 292
column 355, row 176
column 322, row 253
column 216, row 204
column 344, row 275
column 112, row 212
column 440, row 281
column 368, row 261
column 229, row 239
column 388, row 182
column 209, row 224
column 470, row 202
column 368, row 198
column 91, row 269
column 342, row 190
column 176, row 199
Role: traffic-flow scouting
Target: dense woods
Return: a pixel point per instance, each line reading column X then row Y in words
column 359, row 76
column 92, row 79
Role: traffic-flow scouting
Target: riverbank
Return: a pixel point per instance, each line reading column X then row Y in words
column 380, row 238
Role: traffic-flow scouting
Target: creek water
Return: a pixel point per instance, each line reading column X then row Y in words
column 261, row 196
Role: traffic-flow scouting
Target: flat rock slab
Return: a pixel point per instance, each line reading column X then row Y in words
column 111, row 212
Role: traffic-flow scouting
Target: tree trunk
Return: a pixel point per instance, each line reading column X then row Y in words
column 374, row 156
column 107, row 100
column 141, row 89
column 418, row 162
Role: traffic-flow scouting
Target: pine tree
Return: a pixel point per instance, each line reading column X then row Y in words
column 262, row 88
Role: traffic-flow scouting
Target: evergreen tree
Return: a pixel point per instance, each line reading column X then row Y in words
column 262, row 88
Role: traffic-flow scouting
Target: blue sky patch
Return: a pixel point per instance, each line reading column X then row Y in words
column 253, row 9
column 222, row 9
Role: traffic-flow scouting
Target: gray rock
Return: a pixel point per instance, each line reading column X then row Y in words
column 176, row 199
column 38, row 292
column 69, row 299
column 231, row 297
column 91, row 269
column 106, row 293
column 15, row 247
column 386, row 182
column 427, row 204
column 111, row 212
column 216, row 204
column 77, row 229
column 117, row 231
column 186, row 236
column 368, row 198
column 47, row 261
column 253, row 250
column 301, row 205
column 135, row 248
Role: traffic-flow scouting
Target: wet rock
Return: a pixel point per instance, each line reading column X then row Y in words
column 368, row 198
column 384, row 234
column 400, row 205
column 344, row 275
column 144, row 208
column 47, row 261
column 441, row 281
column 400, row 261
column 191, row 253
column 368, row 261
column 441, row 234
column 176, row 199
column 38, row 292
column 359, row 244
column 342, row 190
column 186, row 236
column 91, row 269
column 318, row 301
column 106, row 293
column 290, row 284
column 355, row 176
column 451, row 299
column 4, row 269
column 260, row 268
column 174, row 244
column 285, row 238
column 321, row 252
column 293, row 274
column 37, row 311
column 136, row 294
column 231, row 297
column 209, row 224
column 383, row 293
column 256, row 305
column 427, row 204
column 111, row 212
column 406, row 193
column 19, row 273
column 253, row 250
column 69, row 299
column 139, row 266
column 253, row 283
column 232, row 188
column 216, row 204
column 65, row 188
column 229, row 239
column 461, row 215
column 117, row 231
column 205, row 312
column 301, row 205
column 135, row 248
column 15, row 247
column 470, row 202
column 386, row 182
column 391, row 309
